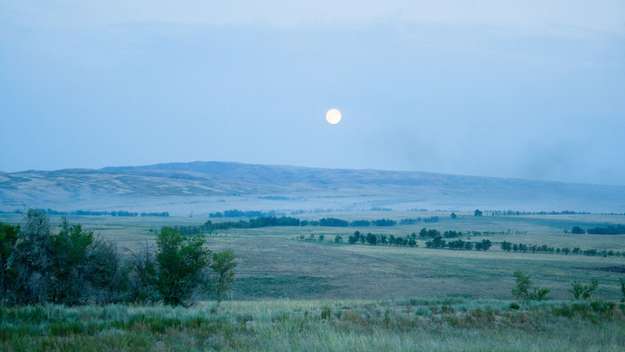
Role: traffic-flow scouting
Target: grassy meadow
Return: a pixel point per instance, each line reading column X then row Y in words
column 295, row 295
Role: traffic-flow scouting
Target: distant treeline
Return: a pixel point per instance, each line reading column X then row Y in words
column 373, row 239
column 270, row 221
column 602, row 230
column 122, row 213
column 236, row 213
column 524, row 248
column 519, row 212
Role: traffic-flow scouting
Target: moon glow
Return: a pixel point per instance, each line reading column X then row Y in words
column 333, row 116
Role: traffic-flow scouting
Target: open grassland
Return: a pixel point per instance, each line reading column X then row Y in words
column 273, row 263
column 301, row 295
column 313, row 325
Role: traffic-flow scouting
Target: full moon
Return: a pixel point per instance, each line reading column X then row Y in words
column 333, row 116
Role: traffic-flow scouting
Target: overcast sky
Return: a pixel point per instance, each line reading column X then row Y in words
column 530, row 89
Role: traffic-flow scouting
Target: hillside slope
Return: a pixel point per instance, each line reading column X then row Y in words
column 179, row 182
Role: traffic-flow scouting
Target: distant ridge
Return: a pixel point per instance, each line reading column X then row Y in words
column 178, row 182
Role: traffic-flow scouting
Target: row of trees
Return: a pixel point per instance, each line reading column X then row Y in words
column 600, row 230
column 407, row 241
column 121, row 213
column 532, row 248
column 236, row 213
column 72, row 267
column 267, row 221
column 440, row 243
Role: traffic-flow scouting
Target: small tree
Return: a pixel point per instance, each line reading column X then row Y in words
column 622, row 282
column 181, row 262
column 523, row 289
column 338, row 239
column 583, row 291
column 223, row 265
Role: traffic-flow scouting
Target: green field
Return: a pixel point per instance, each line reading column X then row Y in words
column 374, row 297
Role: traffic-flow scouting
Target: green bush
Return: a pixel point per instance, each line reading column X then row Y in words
column 223, row 266
column 181, row 261
column 523, row 289
column 583, row 291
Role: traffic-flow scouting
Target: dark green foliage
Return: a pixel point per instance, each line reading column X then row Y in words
column 478, row 212
column 223, row 266
column 583, row 291
column 181, row 261
column 69, row 266
column 622, row 282
column 338, row 239
column 525, row 291
column 30, row 260
column 360, row 223
column 333, row 222
column 607, row 230
column 144, row 278
column 108, row 274
column 578, row 230
column 8, row 237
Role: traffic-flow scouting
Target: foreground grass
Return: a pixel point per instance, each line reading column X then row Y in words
column 413, row 325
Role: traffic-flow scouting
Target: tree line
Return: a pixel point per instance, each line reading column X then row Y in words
column 271, row 221
column 236, row 213
column 73, row 266
column 122, row 213
column 599, row 230
column 533, row 248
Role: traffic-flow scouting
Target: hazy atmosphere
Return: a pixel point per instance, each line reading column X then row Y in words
column 327, row 176
column 527, row 89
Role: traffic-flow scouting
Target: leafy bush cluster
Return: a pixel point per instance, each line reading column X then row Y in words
column 525, row 248
column 74, row 267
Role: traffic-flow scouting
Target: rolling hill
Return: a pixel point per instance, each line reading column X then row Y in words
column 212, row 185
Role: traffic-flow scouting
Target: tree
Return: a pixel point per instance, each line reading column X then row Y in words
column 8, row 237
column 181, row 262
column 223, row 265
column 69, row 251
column 453, row 216
column 478, row 212
column 578, row 230
column 622, row 282
column 523, row 289
column 144, row 277
column 338, row 239
column 31, row 259
column 583, row 291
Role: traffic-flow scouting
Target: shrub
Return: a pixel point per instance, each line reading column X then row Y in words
column 622, row 282
column 144, row 278
column 223, row 265
column 583, row 291
column 523, row 289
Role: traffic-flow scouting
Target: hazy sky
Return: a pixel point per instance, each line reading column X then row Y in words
column 531, row 89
